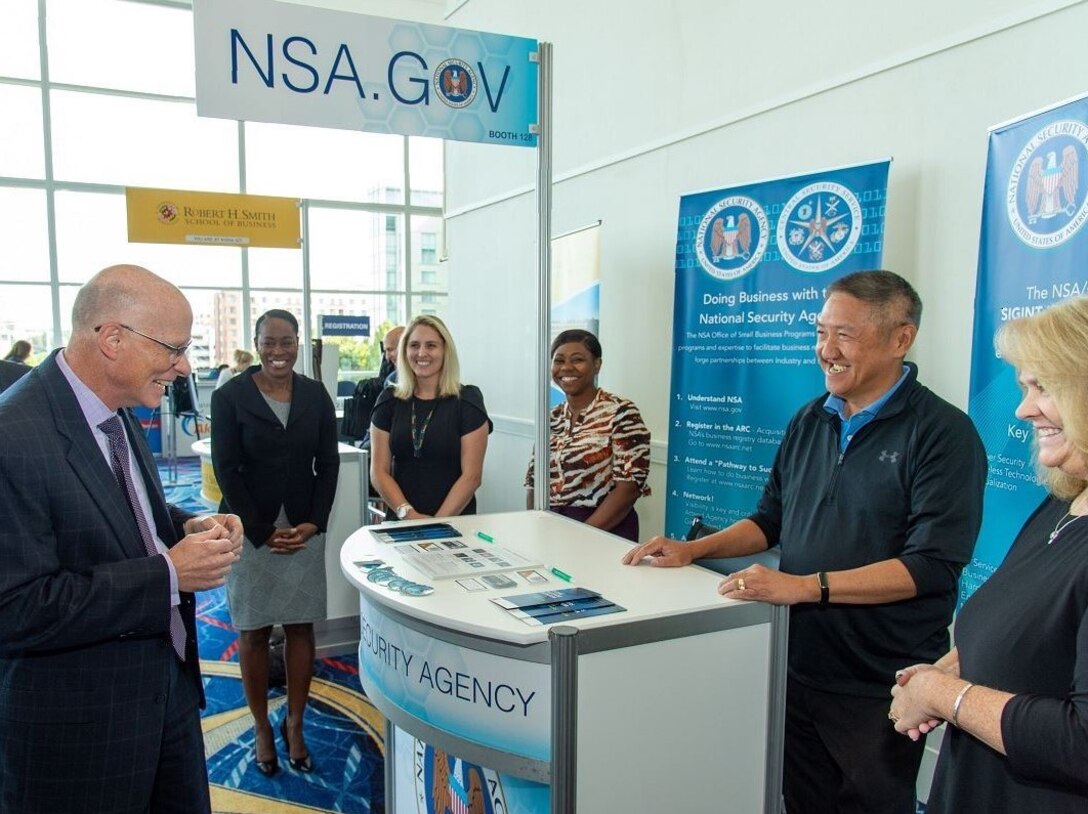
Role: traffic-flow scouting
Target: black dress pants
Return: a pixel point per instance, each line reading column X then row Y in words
column 843, row 755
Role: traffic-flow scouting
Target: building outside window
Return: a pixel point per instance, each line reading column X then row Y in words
column 93, row 115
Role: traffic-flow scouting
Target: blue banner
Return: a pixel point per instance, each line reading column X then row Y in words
column 752, row 263
column 1032, row 254
column 266, row 61
column 343, row 325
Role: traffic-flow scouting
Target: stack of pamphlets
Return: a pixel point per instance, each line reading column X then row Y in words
column 444, row 559
column 411, row 534
column 549, row 607
column 438, row 550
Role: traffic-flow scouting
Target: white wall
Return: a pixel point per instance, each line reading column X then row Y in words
column 420, row 11
column 655, row 100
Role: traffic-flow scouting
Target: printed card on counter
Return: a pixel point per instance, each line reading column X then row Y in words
column 412, row 534
column 440, row 563
column 522, row 601
column 536, row 611
column 573, row 613
column 427, row 546
column 549, row 607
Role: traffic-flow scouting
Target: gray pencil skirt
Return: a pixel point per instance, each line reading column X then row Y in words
column 265, row 589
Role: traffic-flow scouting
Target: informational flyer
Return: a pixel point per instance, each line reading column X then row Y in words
column 550, row 607
column 439, row 562
column 407, row 534
column 752, row 267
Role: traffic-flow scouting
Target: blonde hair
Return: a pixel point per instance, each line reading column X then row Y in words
column 449, row 381
column 1052, row 346
column 242, row 360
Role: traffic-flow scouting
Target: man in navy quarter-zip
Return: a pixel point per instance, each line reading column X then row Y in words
column 875, row 500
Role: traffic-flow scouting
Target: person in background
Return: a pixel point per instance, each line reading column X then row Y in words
column 100, row 687
column 242, row 360
column 355, row 429
column 275, row 457
column 428, row 434
column 388, row 371
column 875, row 500
column 600, row 447
column 1015, row 686
column 11, row 372
column 19, row 353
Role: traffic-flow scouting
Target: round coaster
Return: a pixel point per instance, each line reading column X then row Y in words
column 416, row 589
column 380, row 576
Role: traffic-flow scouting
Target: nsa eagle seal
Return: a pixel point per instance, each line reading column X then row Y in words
column 1045, row 198
column 819, row 226
column 455, row 83
column 732, row 237
column 448, row 785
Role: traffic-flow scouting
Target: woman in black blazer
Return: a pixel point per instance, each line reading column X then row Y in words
column 275, row 457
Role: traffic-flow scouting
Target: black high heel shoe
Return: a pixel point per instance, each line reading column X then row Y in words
column 302, row 764
column 266, row 767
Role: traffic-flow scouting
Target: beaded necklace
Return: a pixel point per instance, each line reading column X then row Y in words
column 417, row 434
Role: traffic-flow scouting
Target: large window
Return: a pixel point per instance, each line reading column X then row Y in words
column 93, row 115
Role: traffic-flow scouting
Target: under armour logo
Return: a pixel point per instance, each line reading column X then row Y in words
column 889, row 456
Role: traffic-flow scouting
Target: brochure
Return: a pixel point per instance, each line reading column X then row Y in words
column 549, row 607
column 573, row 613
column 543, row 598
column 537, row 611
column 440, row 563
column 411, row 534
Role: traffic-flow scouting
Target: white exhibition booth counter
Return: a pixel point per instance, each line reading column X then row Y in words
column 672, row 704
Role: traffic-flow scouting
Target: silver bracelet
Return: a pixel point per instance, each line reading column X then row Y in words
column 954, row 720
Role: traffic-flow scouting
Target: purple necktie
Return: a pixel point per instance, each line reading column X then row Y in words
column 115, row 432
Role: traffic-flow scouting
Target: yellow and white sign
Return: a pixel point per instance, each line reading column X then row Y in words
column 212, row 218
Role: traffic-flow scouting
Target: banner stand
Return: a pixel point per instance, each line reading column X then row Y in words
column 1032, row 247
column 541, row 486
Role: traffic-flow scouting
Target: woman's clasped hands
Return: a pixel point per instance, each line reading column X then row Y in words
column 291, row 539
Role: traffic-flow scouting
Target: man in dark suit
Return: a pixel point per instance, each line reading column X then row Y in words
column 100, row 684
column 11, row 372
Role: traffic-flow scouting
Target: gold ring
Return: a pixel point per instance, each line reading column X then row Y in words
column 740, row 584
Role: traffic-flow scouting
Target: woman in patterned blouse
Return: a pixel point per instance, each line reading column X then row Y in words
column 600, row 447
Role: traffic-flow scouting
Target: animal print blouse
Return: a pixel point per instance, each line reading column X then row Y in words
column 605, row 443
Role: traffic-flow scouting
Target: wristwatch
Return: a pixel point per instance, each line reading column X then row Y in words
column 402, row 510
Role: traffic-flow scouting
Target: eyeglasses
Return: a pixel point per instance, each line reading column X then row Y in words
column 176, row 352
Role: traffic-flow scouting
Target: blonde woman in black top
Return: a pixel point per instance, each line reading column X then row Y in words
column 428, row 434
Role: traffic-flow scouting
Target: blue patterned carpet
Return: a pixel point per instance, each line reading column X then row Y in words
column 344, row 733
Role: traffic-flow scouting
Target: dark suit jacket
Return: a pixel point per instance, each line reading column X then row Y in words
column 85, row 658
column 11, row 372
column 261, row 465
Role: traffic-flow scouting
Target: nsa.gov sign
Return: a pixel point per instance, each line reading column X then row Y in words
column 261, row 60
